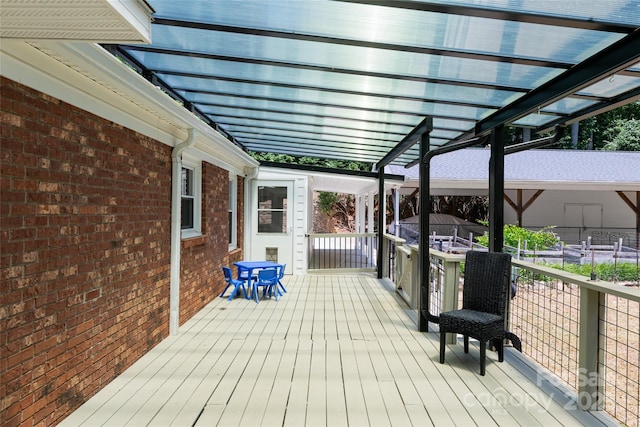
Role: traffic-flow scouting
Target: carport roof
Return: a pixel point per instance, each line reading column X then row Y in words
column 531, row 169
column 351, row 79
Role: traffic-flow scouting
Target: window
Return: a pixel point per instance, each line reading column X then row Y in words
column 272, row 209
column 191, row 200
column 233, row 207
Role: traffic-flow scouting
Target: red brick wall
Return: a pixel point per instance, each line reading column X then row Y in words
column 202, row 257
column 85, row 253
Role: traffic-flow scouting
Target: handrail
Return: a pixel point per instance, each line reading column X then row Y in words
column 595, row 285
column 394, row 238
column 580, row 330
column 323, row 235
column 341, row 251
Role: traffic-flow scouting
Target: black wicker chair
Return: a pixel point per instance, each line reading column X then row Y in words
column 484, row 298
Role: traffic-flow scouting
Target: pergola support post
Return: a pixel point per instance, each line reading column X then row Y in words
column 381, row 221
column 496, row 190
column 424, row 314
column 423, row 240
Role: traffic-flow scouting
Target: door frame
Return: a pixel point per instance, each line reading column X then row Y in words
column 284, row 242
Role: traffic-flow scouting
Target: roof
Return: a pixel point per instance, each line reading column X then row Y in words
column 330, row 180
column 533, row 169
column 351, row 79
column 354, row 79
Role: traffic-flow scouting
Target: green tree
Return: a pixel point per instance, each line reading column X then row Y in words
column 312, row 161
column 326, row 201
column 602, row 129
column 626, row 136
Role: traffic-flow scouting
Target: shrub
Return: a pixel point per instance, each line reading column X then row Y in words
column 542, row 239
column 623, row 272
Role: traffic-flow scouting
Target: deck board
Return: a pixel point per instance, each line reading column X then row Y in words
column 335, row 350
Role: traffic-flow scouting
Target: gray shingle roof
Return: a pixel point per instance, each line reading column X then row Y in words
column 552, row 166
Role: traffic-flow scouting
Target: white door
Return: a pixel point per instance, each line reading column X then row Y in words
column 584, row 217
column 272, row 221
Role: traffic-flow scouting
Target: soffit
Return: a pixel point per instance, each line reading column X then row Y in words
column 114, row 21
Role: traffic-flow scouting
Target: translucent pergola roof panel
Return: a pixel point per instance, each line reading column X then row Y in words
column 613, row 11
column 351, row 79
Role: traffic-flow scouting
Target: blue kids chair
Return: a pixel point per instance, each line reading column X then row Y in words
column 236, row 283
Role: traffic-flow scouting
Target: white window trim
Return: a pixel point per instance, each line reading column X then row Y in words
column 233, row 208
column 196, row 167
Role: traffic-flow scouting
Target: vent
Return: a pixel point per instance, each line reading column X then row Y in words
column 98, row 21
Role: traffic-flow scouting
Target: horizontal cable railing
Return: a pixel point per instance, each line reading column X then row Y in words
column 352, row 251
column 584, row 334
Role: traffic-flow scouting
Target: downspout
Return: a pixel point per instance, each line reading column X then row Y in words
column 249, row 175
column 426, row 154
column 176, row 221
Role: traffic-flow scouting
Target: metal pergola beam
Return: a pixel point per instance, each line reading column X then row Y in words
column 599, row 108
column 303, row 151
column 256, row 129
column 492, row 13
column 340, row 106
column 226, row 119
column 318, row 116
column 276, row 141
column 331, row 171
column 363, row 43
column 618, row 56
column 467, row 103
column 323, row 68
column 412, row 137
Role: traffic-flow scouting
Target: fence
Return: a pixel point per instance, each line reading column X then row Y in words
column 342, row 251
column 584, row 333
column 614, row 262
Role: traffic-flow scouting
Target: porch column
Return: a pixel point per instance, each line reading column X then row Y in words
column 381, row 221
column 496, row 190
column 358, row 216
column 423, row 237
column 396, row 210
column 371, row 203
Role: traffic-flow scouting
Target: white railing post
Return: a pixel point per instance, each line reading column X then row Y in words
column 451, row 290
column 592, row 315
column 386, row 268
column 415, row 278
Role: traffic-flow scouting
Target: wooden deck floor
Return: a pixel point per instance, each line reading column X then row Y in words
column 334, row 351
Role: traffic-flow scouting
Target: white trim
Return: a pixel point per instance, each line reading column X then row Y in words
column 233, row 208
column 88, row 77
column 202, row 153
column 195, row 165
column 137, row 15
column 176, row 245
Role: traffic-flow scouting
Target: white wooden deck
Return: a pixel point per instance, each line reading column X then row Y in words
column 334, row 351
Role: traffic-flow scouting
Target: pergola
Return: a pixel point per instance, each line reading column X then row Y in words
column 393, row 82
column 355, row 79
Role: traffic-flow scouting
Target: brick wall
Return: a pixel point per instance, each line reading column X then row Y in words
column 202, row 257
column 85, row 253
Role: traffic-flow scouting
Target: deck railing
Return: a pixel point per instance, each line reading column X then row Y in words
column 584, row 334
column 352, row 251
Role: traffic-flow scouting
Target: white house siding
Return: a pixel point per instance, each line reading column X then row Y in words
column 550, row 208
column 297, row 261
column 301, row 215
